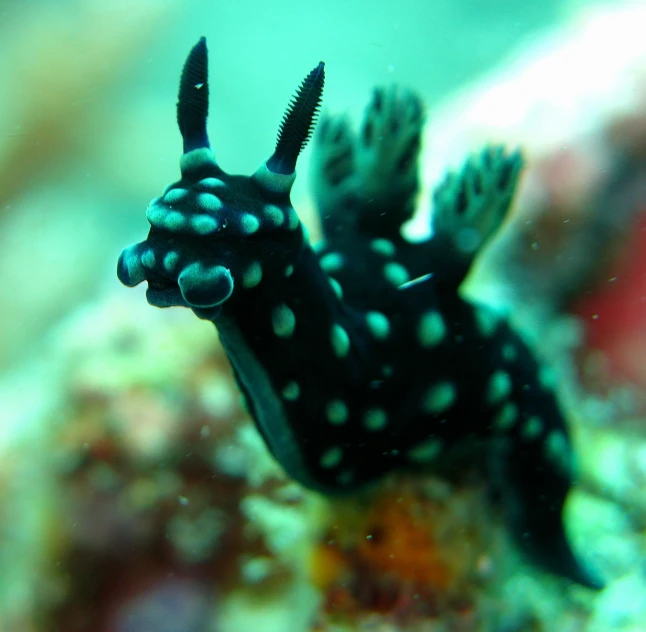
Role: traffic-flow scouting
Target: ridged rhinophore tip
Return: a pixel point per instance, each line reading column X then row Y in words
column 193, row 101
column 298, row 122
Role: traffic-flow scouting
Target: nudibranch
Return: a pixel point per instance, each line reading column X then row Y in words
column 360, row 357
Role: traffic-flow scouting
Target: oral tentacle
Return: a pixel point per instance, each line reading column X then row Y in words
column 204, row 287
column 130, row 269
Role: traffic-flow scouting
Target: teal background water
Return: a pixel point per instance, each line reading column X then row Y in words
column 88, row 136
column 106, row 75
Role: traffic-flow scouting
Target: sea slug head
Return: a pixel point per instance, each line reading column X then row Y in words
column 204, row 242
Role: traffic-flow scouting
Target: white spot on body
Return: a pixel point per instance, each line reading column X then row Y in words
column 252, row 275
column 499, row 387
column 283, row 321
column 340, row 341
column 426, row 451
column 558, row 450
column 532, row 428
column 148, row 259
column 395, row 273
column 175, row 195
column 439, row 398
column 289, row 270
column 211, row 183
column 383, row 247
column 507, row 416
column 209, row 202
column 156, row 215
column 336, row 288
column 331, row 262
column 431, row 329
column 274, row 215
column 291, row 391
column 175, row 221
column 336, row 412
column 170, row 261
column 375, row 419
column 249, row 224
column 203, row 224
column 331, row 457
column 378, row 324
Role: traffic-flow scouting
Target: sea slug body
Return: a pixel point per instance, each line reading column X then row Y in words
column 360, row 357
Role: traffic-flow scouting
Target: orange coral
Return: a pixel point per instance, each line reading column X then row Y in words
column 400, row 541
column 402, row 549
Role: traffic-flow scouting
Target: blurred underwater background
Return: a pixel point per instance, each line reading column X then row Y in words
column 135, row 492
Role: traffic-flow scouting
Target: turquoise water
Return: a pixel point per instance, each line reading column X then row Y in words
column 136, row 492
